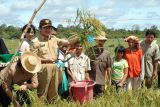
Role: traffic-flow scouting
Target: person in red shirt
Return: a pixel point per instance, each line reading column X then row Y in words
column 133, row 55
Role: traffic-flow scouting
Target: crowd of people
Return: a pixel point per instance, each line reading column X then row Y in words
column 48, row 64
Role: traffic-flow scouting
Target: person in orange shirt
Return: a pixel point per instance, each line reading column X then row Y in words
column 133, row 55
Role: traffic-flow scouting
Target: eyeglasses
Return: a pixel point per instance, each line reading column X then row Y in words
column 47, row 27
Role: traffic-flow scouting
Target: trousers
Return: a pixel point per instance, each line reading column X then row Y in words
column 49, row 79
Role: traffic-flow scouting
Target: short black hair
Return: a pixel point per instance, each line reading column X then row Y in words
column 54, row 28
column 150, row 32
column 19, row 63
column 29, row 29
column 119, row 49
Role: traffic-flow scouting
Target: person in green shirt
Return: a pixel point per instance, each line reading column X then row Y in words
column 119, row 69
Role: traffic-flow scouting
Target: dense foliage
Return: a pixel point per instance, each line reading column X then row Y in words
column 14, row 32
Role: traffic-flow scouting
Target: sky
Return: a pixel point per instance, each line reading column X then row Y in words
column 117, row 14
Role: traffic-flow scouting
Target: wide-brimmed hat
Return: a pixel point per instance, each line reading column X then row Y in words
column 31, row 62
column 45, row 23
column 101, row 36
column 132, row 37
column 74, row 39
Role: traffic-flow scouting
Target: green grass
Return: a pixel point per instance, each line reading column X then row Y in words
column 12, row 44
column 110, row 98
column 109, row 45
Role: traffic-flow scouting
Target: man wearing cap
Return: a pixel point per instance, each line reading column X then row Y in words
column 18, row 73
column 46, row 48
column 101, row 63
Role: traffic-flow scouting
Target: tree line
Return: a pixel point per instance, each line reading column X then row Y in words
column 10, row 32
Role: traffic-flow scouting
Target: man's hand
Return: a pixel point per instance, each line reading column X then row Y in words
column 120, row 84
column 74, row 79
column 48, row 60
column 155, row 75
column 87, row 78
column 16, row 103
column 23, row 87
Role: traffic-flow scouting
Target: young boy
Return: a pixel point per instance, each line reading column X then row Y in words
column 79, row 65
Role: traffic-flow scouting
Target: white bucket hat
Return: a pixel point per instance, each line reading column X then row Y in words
column 101, row 36
column 31, row 62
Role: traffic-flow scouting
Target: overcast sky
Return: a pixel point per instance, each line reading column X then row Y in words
column 112, row 13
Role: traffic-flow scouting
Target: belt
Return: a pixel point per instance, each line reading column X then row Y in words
column 48, row 62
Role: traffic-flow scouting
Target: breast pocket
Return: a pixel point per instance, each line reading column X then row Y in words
column 101, row 63
column 82, row 69
column 43, row 49
column 148, row 56
column 71, row 65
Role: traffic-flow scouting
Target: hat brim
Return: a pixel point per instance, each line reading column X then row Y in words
column 73, row 40
column 47, row 26
column 100, row 38
column 24, row 58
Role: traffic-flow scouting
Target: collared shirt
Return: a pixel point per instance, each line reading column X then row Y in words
column 15, row 75
column 61, row 55
column 100, row 61
column 46, row 48
column 151, row 53
column 78, row 66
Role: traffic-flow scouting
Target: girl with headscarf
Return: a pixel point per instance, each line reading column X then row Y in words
column 133, row 55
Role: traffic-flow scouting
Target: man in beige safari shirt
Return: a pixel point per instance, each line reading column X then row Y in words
column 46, row 48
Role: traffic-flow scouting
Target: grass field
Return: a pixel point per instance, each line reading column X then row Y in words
column 110, row 98
column 110, row 44
column 137, row 98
